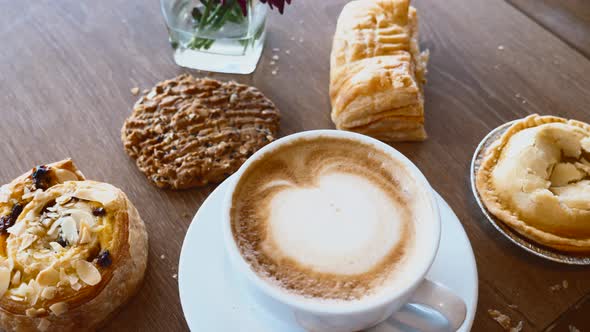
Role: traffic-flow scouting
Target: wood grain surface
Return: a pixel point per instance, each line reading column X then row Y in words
column 67, row 67
column 568, row 19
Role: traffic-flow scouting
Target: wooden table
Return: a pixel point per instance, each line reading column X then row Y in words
column 568, row 19
column 67, row 67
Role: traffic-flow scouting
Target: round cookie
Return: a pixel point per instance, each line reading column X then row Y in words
column 188, row 132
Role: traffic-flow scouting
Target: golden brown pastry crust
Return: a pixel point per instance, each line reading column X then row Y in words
column 89, row 306
column 537, row 213
column 377, row 71
column 395, row 128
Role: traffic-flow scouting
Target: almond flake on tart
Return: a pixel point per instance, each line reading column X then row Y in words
column 536, row 179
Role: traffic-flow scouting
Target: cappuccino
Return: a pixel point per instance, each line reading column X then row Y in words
column 329, row 218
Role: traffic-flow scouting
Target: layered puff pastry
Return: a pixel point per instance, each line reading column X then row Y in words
column 377, row 71
column 536, row 179
column 71, row 250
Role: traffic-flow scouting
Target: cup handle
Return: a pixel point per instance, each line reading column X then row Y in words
column 443, row 300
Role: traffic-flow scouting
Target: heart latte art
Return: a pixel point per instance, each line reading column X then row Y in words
column 328, row 218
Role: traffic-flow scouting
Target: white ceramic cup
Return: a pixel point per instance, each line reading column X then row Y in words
column 347, row 315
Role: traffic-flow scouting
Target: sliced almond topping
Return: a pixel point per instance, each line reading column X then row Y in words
column 42, row 255
column 15, row 278
column 46, row 222
column 48, row 293
column 16, row 298
column 97, row 228
column 31, row 312
column 81, row 216
column 73, row 278
column 41, row 195
column 76, row 286
column 53, row 215
column 30, row 194
column 96, row 195
column 64, row 175
column 69, row 229
column 61, row 200
column 44, row 324
column 52, row 232
column 88, row 272
column 18, row 229
column 69, row 204
column 56, row 246
column 63, row 277
column 27, row 240
column 4, row 280
column 48, row 277
column 37, row 230
column 4, row 194
column 85, row 236
column 21, row 290
column 9, row 263
column 34, row 292
column 59, row 308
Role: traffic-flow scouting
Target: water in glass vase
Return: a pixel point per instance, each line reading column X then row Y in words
column 215, row 35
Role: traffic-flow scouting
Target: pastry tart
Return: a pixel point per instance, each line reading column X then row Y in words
column 76, row 252
column 536, row 179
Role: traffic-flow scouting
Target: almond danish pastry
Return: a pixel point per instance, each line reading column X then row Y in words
column 70, row 252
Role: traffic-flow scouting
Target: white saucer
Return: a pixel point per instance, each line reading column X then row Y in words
column 212, row 299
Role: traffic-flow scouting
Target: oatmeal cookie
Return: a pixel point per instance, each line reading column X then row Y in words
column 187, row 132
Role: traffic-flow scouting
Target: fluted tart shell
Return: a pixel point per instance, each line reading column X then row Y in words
column 536, row 179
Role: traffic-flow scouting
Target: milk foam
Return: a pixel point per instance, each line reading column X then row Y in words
column 345, row 224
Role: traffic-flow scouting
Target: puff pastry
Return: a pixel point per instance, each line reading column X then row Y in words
column 536, row 179
column 70, row 253
column 377, row 71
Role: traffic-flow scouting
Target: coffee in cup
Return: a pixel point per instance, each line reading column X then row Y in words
column 329, row 218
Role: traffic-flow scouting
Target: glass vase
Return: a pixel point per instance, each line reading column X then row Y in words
column 215, row 35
